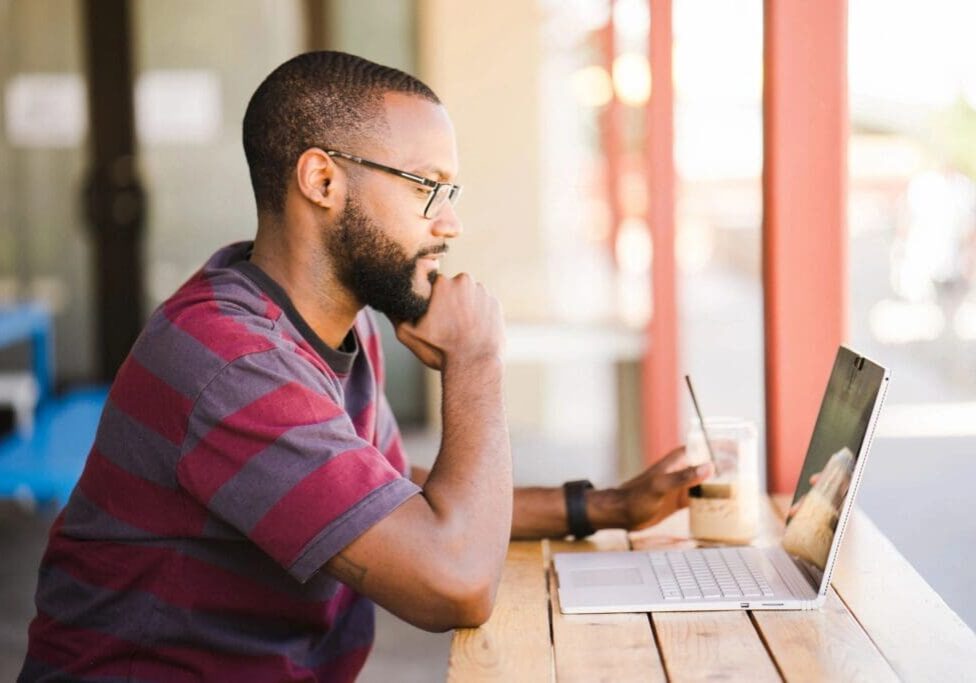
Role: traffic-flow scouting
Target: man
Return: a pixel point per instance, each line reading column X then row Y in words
column 247, row 498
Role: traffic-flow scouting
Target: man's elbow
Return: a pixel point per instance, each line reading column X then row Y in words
column 475, row 609
column 461, row 605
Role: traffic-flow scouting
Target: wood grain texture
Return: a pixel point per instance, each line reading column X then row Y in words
column 601, row 647
column 916, row 632
column 709, row 646
column 514, row 644
column 817, row 645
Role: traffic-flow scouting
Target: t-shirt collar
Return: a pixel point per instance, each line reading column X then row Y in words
column 340, row 360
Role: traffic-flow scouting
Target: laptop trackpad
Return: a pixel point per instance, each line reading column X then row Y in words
column 592, row 578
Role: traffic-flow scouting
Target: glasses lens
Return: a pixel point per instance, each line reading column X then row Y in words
column 437, row 201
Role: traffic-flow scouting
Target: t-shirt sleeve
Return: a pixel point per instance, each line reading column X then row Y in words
column 270, row 451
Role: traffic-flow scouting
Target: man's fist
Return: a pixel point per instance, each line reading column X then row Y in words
column 463, row 323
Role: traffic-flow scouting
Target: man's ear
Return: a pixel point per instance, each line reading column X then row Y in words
column 319, row 178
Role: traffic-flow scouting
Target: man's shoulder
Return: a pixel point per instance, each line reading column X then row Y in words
column 216, row 318
column 224, row 311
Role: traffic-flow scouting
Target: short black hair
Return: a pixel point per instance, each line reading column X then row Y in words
column 316, row 99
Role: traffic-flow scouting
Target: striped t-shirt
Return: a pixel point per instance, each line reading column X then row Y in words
column 236, row 455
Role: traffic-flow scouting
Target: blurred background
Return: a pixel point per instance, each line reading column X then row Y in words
column 550, row 101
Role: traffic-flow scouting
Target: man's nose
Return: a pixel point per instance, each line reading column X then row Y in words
column 446, row 223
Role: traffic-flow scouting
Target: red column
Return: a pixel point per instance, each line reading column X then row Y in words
column 660, row 371
column 610, row 139
column 804, row 205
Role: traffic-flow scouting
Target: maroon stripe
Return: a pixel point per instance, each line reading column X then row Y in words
column 272, row 310
column 138, row 502
column 82, row 652
column 231, row 444
column 374, row 352
column 195, row 311
column 365, row 422
column 149, row 400
column 76, row 651
column 318, row 500
column 396, row 455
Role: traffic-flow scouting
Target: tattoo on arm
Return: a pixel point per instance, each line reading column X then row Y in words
column 348, row 571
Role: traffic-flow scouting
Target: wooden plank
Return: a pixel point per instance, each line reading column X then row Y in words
column 601, row 647
column 698, row 646
column 818, row 645
column 514, row 644
column 919, row 635
column 708, row 646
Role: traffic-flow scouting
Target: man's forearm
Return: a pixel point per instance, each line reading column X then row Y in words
column 470, row 485
column 540, row 512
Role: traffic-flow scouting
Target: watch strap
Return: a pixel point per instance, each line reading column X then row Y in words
column 578, row 522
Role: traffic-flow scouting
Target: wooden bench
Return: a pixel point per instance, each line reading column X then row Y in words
column 881, row 622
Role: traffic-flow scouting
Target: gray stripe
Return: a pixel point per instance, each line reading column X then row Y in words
column 247, row 496
column 359, row 389
column 135, row 448
column 83, row 519
column 350, row 525
column 174, row 356
column 121, row 614
column 215, row 528
column 386, row 425
column 240, row 301
column 355, row 629
column 141, row 617
column 35, row 671
column 244, row 381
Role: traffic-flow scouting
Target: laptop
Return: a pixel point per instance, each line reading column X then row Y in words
column 793, row 575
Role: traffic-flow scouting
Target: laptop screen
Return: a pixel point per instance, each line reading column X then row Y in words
column 825, row 480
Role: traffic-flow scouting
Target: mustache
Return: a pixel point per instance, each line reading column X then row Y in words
column 431, row 251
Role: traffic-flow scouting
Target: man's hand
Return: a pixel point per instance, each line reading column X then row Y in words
column 462, row 323
column 641, row 502
column 660, row 490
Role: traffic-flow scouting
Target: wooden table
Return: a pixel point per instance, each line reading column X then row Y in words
column 881, row 622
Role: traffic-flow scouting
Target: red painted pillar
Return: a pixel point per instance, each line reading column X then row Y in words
column 804, row 206
column 660, row 371
column 610, row 139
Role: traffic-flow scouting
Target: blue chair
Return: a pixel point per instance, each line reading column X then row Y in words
column 42, row 466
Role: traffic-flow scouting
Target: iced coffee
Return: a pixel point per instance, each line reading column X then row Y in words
column 725, row 508
column 811, row 527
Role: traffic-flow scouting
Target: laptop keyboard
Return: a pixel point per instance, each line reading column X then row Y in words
column 709, row 573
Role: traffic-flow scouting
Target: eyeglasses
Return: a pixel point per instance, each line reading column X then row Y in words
column 438, row 193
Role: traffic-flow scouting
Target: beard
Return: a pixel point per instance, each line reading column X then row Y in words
column 375, row 268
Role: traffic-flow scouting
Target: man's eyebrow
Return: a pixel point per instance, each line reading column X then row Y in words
column 431, row 172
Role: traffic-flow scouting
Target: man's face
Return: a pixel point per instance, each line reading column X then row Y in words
column 386, row 252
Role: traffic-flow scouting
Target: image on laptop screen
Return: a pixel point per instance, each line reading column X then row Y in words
column 836, row 442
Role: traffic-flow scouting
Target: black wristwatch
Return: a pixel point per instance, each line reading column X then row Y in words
column 575, row 492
